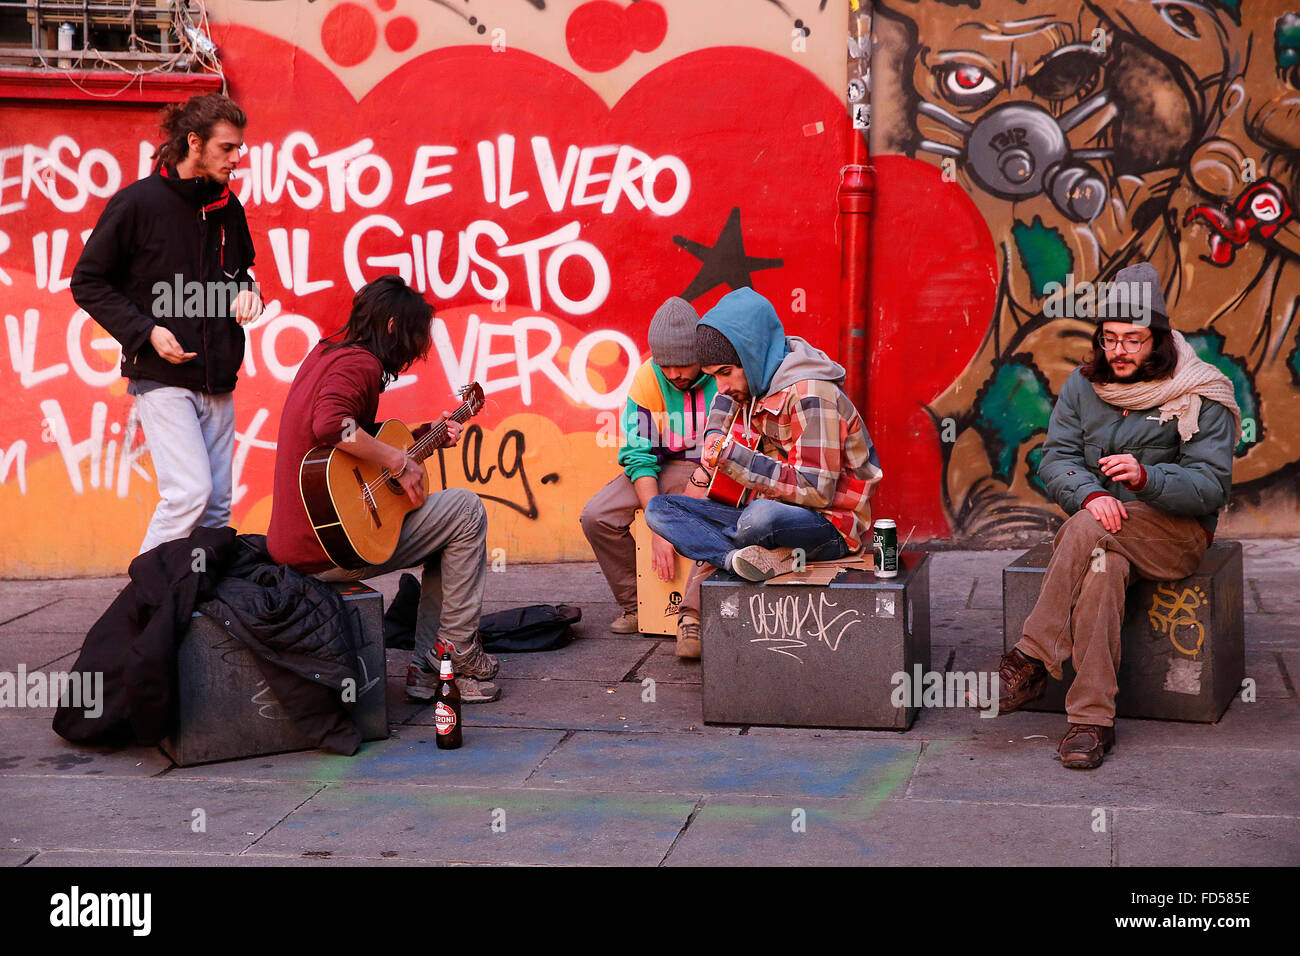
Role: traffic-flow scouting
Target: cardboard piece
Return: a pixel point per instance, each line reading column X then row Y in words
column 824, row 572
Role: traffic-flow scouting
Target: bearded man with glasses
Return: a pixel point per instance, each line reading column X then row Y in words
column 1139, row 454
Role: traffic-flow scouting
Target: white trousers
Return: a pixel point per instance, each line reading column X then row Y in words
column 191, row 437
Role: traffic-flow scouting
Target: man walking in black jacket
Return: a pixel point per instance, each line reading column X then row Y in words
column 166, row 273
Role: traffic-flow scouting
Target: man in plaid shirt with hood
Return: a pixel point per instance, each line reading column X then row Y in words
column 812, row 472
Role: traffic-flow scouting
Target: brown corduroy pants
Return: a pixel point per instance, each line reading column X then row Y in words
column 1080, row 609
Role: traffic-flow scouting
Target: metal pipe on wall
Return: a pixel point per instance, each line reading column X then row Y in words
column 856, row 193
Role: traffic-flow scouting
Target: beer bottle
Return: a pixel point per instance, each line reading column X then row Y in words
column 446, row 706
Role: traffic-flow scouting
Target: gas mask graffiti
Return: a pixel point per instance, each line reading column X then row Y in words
column 1018, row 150
column 1089, row 133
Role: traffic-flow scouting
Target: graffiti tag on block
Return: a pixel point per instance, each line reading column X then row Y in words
column 1173, row 614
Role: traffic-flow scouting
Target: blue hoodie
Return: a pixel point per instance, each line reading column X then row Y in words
column 750, row 324
column 813, row 449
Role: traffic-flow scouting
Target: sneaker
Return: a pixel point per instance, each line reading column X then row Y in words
column 688, row 638
column 756, row 563
column 474, row 691
column 421, row 680
column 1084, row 746
column 627, row 624
column 474, row 662
column 1021, row 680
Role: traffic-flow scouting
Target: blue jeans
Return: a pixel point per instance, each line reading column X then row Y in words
column 707, row 531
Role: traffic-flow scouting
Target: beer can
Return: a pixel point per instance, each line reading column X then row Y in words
column 884, row 542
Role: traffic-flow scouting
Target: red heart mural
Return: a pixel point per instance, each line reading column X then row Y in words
column 499, row 172
column 744, row 148
column 930, row 247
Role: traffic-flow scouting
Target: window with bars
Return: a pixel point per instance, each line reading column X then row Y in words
column 138, row 36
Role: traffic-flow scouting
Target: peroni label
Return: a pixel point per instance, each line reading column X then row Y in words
column 444, row 718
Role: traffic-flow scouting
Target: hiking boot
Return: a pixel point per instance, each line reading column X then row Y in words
column 473, row 661
column 1085, row 745
column 474, row 691
column 688, row 638
column 422, row 680
column 756, row 563
column 627, row 624
column 1021, row 680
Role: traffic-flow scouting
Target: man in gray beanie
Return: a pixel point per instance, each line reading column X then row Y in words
column 1139, row 454
column 663, row 422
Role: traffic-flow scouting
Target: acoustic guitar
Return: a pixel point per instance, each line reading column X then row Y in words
column 356, row 508
column 726, row 490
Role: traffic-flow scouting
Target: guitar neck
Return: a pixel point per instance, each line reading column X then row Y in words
column 432, row 440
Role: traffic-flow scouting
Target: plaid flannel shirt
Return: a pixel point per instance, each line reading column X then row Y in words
column 813, row 451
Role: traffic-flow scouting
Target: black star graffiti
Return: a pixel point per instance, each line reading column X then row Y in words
column 725, row 262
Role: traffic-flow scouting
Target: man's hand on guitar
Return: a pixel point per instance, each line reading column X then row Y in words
column 454, row 429
column 410, row 475
column 709, row 455
column 374, row 523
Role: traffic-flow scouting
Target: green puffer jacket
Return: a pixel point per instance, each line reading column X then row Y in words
column 1183, row 478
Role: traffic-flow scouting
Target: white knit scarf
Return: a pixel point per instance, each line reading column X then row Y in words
column 1178, row 396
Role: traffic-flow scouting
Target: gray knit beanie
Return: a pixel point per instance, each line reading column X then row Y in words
column 1134, row 296
column 672, row 333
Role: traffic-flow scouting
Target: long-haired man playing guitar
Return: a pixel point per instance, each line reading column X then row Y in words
column 333, row 401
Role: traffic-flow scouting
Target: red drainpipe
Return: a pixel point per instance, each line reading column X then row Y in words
column 857, row 189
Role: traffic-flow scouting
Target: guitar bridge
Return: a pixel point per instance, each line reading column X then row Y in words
column 367, row 498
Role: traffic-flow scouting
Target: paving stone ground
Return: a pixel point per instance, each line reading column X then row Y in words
column 575, row 766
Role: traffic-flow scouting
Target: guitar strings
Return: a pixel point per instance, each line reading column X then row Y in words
column 435, row 432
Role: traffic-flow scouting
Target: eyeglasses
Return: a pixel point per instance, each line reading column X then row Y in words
column 1127, row 343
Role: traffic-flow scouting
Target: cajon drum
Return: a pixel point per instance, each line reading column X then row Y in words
column 657, row 602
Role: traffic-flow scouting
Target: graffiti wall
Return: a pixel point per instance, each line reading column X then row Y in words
column 545, row 173
column 1021, row 143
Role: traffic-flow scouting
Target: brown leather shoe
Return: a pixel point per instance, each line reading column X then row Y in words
column 1085, row 745
column 1021, row 680
column 627, row 623
column 688, row 638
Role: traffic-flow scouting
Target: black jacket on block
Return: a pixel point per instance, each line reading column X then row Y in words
column 304, row 636
column 298, row 627
column 153, row 238
column 134, row 642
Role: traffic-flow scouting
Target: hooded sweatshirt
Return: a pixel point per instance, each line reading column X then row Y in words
column 812, row 448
